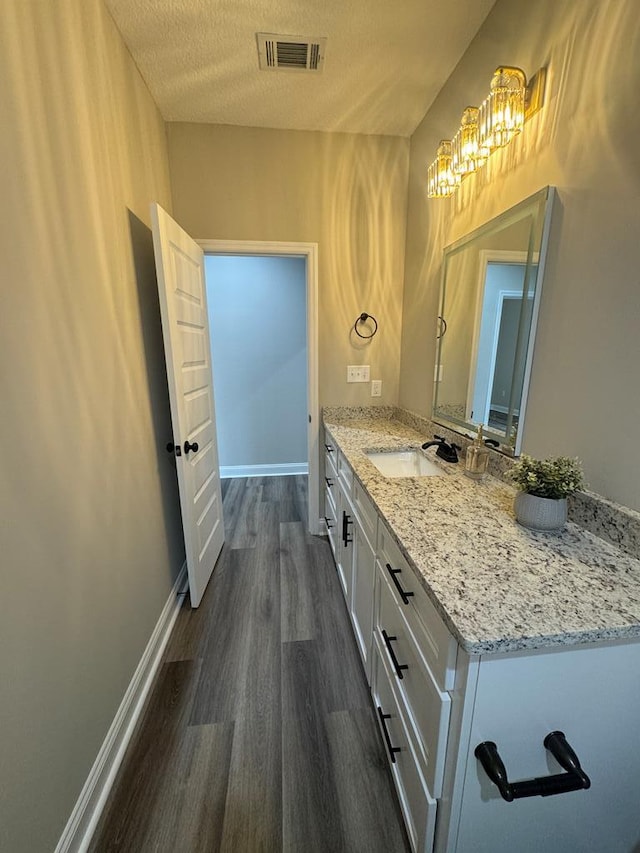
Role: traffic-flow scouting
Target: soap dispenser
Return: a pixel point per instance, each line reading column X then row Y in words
column 477, row 459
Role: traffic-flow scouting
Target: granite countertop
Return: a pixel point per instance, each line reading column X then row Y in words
column 498, row 586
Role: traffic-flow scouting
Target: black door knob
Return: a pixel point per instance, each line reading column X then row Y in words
column 188, row 447
column 174, row 448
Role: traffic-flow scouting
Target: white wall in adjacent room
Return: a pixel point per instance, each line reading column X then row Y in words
column 258, row 325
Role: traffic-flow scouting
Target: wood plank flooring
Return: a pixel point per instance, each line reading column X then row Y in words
column 259, row 736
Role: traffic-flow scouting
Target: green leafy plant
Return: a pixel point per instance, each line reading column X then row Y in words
column 549, row 478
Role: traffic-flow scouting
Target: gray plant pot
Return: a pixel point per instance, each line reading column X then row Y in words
column 540, row 513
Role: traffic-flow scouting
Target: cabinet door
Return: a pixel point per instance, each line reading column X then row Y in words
column 330, row 519
column 592, row 694
column 418, row 807
column 364, row 563
column 344, row 545
column 425, row 705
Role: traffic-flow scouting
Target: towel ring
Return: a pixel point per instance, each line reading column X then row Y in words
column 363, row 319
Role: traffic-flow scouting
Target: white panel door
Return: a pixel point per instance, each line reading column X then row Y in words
column 181, row 285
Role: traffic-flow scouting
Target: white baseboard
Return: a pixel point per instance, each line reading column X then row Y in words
column 276, row 470
column 86, row 813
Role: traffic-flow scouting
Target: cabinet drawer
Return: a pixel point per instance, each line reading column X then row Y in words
column 418, row 807
column 362, row 595
column 365, row 512
column 331, row 484
column 437, row 645
column 330, row 519
column 330, row 458
column 345, row 474
column 425, row 706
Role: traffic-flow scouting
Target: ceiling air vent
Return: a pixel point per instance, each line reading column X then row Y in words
column 290, row 53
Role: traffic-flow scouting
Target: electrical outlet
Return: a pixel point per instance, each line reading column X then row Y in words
column 357, row 373
column 376, row 387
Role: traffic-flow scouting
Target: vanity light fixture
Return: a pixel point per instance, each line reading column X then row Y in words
column 502, row 112
column 467, row 152
column 441, row 179
column 501, row 116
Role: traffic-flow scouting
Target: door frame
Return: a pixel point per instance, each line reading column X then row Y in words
column 486, row 257
column 309, row 251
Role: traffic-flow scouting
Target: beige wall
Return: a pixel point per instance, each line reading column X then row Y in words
column 89, row 530
column 584, row 396
column 345, row 192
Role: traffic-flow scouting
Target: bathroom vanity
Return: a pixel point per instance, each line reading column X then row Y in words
column 474, row 630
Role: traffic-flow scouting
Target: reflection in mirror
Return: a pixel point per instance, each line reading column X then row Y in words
column 489, row 302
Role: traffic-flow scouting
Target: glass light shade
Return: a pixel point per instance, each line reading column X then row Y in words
column 502, row 113
column 467, row 153
column 441, row 179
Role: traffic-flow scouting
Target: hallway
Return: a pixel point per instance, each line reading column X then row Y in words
column 260, row 734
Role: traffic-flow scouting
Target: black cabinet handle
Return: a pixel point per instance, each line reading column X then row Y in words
column 394, row 660
column 488, row 755
column 346, row 521
column 329, row 482
column 328, row 448
column 557, row 745
column 327, row 521
column 574, row 779
column 188, row 447
column 392, row 749
column 405, row 595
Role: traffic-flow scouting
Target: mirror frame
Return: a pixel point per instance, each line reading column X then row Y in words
column 539, row 256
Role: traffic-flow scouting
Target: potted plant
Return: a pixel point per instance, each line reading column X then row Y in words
column 541, row 503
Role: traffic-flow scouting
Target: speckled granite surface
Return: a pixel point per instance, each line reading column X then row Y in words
column 617, row 524
column 499, row 587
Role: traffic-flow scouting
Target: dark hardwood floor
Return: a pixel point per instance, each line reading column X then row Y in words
column 259, row 734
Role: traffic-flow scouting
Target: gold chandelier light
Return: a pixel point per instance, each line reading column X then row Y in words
column 482, row 129
column 441, row 178
column 502, row 113
column 467, row 151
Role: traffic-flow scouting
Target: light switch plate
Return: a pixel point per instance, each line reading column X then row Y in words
column 357, row 373
column 376, row 387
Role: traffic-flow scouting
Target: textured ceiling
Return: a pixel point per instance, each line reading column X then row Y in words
column 386, row 60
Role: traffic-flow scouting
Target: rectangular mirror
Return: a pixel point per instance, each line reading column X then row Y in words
column 490, row 294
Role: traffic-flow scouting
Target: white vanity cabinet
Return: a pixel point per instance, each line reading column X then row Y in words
column 364, row 567
column 331, row 490
column 414, row 670
column 592, row 694
column 436, row 702
column 352, row 525
column 344, row 545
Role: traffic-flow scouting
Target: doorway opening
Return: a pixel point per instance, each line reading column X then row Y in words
column 504, row 310
column 262, row 303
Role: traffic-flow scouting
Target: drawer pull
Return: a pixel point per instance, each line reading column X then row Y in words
column 394, row 660
column 328, row 448
column 392, row 749
column 574, row 779
column 405, row 595
column 329, row 482
column 346, row 521
column 327, row 521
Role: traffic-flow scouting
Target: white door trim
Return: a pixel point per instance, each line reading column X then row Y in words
column 310, row 252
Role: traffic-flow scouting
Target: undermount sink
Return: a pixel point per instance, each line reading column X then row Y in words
column 404, row 463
